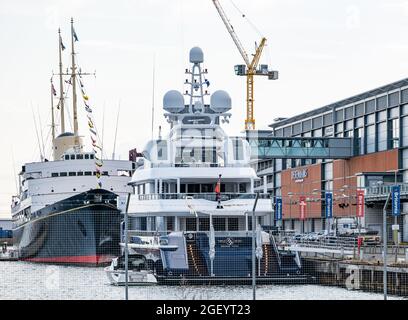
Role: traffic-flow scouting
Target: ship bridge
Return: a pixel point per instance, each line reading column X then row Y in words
column 264, row 146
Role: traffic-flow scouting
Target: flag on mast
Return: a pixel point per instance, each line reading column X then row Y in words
column 218, row 192
column 54, row 92
column 62, row 45
column 74, row 34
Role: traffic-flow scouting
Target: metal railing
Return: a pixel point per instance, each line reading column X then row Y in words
column 198, row 165
column 204, row 196
column 382, row 191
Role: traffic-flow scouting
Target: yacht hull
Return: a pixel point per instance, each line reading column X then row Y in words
column 84, row 229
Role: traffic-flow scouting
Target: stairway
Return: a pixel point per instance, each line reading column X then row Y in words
column 196, row 264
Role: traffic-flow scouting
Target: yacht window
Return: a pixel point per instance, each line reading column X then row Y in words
column 232, row 224
column 183, row 188
column 80, row 173
column 191, row 224
column 162, row 150
column 80, row 156
column 238, row 149
column 72, row 174
column 63, row 174
column 88, row 173
column 207, row 188
column 204, row 224
column 92, row 156
column 219, row 224
column 105, row 173
column 72, row 156
column 66, row 157
column 242, row 188
column 87, row 156
column 54, row 174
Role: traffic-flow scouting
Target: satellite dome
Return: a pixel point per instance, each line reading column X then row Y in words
column 173, row 101
column 220, row 101
column 196, row 55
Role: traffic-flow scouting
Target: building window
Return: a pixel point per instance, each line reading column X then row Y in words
column 393, row 99
column 349, row 125
column 278, row 165
column 359, row 134
column 287, row 132
column 339, row 115
column 370, row 106
column 370, row 138
column 317, row 133
column 395, row 129
column 382, row 103
column 307, row 125
column 382, row 116
column 404, row 96
column 317, row 122
column 278, row 180
column 349, row 113
column 371, row 119
column 360, row 122
column 394, row 112
column 382, row 136
column 339, row 127
column 328, row 119
column 297, row 128
column 359, row 110
column 405, row 131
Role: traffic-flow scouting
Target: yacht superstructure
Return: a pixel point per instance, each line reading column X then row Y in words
column 175, row 184
column 68, row 210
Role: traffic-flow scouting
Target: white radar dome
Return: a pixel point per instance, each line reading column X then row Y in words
column 196, row 55
column 220, row 101
column 173, row 101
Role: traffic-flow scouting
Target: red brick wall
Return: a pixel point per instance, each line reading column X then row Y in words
column 343, row 174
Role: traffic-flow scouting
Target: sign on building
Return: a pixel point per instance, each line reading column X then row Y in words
column 396, row 201
column 278, row 209
column 360, row 203
column 329, row 205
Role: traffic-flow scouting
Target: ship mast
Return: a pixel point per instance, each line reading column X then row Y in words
column 52, row 112
column 61, row 98
column 73, row 79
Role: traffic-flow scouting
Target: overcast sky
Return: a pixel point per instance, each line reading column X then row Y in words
column 324, row 50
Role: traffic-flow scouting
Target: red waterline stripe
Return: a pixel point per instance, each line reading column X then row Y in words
column 94, row 259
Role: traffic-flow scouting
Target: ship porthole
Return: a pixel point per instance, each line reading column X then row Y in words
column 82, row 228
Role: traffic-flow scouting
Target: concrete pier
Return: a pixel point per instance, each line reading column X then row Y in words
column 358, row 275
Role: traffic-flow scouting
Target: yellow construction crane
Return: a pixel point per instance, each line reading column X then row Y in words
column 249, row 69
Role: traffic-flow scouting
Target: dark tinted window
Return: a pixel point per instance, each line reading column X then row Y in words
column 393, row 99
column 382, row 103
column 80, row 173
column 307, row 125
column 233, row 224
column 72, row 174
column 339, row 115
column 328, row 119
column 297, row 128
column 88, row 173
column 359, row 110
column 87, row 156
column 349, row 113
column 63, row 174
column 404, row 96
column 317, row 122
column 370, row 106
column 54, row 174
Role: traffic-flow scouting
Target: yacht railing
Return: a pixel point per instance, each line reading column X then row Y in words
column 204, row 196
column 198, row 165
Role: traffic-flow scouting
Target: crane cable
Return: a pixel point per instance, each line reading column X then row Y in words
column 246, row 18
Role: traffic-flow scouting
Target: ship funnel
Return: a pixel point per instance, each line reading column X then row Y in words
column 196, row 55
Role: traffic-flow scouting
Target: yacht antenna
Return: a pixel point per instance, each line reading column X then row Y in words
column 61, row 97
column 41, row 130
column 103, row 128
column 160, row 136
column 36, row 131
column 14, row 169
column 154, row 72
column 116, row 133
column 73, row 79
column 52, row 111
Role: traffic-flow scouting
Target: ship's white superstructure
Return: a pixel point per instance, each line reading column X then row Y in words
column 175, row 182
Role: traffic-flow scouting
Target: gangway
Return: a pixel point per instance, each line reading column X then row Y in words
column 264, row 147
